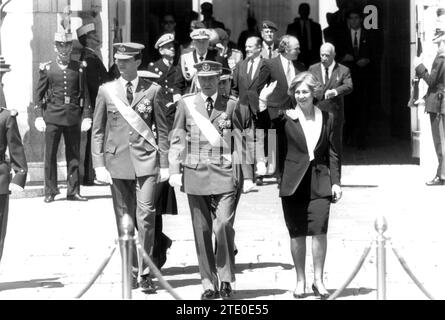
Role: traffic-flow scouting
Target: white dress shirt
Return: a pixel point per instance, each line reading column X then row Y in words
column 204, row 97
column 286, row 63
column 256, row 62
column 359, row 33
column 330, row 70
column 134, row 84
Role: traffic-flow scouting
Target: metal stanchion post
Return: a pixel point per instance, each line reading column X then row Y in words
column 381, row 226
column 126, row 241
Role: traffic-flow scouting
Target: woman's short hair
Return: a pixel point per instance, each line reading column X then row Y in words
column 313, row 84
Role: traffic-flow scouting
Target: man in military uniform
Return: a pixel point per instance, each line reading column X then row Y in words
column 9, row 138
column 231, row 55
column 96, row 74
column 434, row 99
column 270, row 47
column 165, row 194
column 125, row 151
column 185, row 81
column 63, row 107
column 211, row 177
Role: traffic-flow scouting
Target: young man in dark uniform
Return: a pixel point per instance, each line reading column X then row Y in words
column 96, row 74
column 9, row 138
column 63, row 107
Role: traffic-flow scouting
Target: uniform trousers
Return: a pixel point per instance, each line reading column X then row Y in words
column 136, row 198
column 88, row 171
column 4, row 207
column 218, row 212
column 71, row 136
column 438, row 132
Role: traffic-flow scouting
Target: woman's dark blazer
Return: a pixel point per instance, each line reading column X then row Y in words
column 295, row 158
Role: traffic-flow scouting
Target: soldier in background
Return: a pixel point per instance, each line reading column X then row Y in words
column 9, row 138
column 270, row 47
column 231, row 55
column 165, row 198
column 96, row 74
column 63, row 108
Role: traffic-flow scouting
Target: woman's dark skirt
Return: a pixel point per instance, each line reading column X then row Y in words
column 305, row 216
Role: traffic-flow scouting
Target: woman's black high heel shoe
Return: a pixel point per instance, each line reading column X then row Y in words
column 317, row 293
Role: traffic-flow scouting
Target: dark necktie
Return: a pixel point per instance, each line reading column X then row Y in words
column 129, row 92
column 326, row 75
column 270, row 52
column 209, row 106
column 250, row 69
column 356, row 48
column 304, row 38
column 201, row 58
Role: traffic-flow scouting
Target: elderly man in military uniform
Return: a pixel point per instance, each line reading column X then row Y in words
column 270, row 47
column 211, row 175
column 127, row 153
column 435, row 100
column 165, row 194
column 9, row 138
column 63, row 108
column 185, row 81
column 96, row 74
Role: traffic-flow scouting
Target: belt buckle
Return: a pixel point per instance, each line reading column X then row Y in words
column 67, row 100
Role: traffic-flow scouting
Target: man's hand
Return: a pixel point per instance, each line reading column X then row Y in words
column 103, row 175
column 363, row 62
column 164, row 174
column 330, row 94
column 336, row 193
column 261, row 169
column 15, row 187
column 348, row 58
column 267, row 90
column 175, row 180
column 40, row 124
column 86, row 124
column 248, row 186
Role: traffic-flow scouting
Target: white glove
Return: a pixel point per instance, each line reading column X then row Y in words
column 86, row 124
column 15, row 187
column 164, row 174
column 248, row 186
column 261, row 169
column 175, row 180
column 418, row 61
column 267, row 90
column 40, row 124
column 103, row 175
column 336, row 193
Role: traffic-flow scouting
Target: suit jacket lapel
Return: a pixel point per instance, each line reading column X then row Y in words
column 333, row 75
column 323, row 131
column 218, row 108
column 280, row 67
column 257, row 71
column 297, row 125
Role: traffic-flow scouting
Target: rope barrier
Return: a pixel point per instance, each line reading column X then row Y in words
column 354, row 272
column 97, row 274
column 157, row 273
column 408, row 270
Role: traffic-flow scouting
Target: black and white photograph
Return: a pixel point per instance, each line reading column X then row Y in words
column 247, row 152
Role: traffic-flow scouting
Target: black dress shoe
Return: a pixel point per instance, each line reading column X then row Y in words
column 436, row 182
column 209, row 295
column 226, row 290
column 76, row 197
column 259, row 181
column 134, row 283
column 317, row 293
column 49, row 198
column 166, row 244
column 147, row 285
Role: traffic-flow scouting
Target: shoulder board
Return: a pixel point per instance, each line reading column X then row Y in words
column 13, row 112
column 45, row 65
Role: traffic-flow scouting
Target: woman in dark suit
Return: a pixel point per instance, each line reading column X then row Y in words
column 310, row 174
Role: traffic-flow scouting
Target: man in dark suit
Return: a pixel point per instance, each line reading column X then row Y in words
column 96, row 74
column 283, row 70
column 9, row 139
column 308, row 33
column 356, row 50
column 269, row 49
column 245, row 82
column 337, row 83
column 125, row 152
column 434, row 99
column 209, row 21
column 210, row 176
column 63, row 107
column 165, row 194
